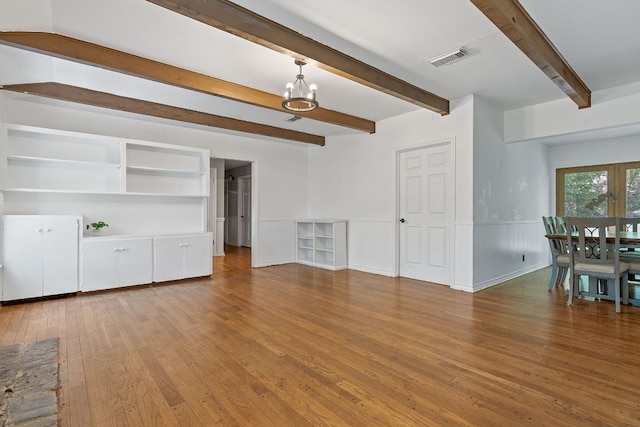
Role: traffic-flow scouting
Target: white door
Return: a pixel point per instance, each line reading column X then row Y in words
column 245, row 211
column 426, row 213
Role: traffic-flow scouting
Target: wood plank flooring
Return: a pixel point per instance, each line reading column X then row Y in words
column 293, row 345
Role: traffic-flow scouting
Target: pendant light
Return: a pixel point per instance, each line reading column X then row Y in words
column 299, row 96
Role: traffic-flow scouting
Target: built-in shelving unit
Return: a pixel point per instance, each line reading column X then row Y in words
column 159, row 169
column 145, row 191
column 47, row 160
column 322, row 243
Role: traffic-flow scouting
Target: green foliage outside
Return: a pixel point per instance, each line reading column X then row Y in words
column 633, row 193
column 586, row 194
column 580, row 189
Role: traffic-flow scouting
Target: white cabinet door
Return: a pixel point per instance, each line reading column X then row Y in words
column 60, row 261
column 112, row 263
column 40, row 256
column 99, row 264
column 197, row 256
column 23, row 257
column 168, row 259
column 180, row 257
column 135, row 262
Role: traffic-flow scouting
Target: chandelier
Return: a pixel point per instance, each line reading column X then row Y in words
column 299, row 96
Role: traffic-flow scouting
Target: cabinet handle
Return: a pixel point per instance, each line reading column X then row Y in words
column 186, row 244
column 48, row 230
column 39, row 230
column 180, row 245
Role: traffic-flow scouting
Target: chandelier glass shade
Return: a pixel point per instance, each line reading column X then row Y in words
column 299, row 96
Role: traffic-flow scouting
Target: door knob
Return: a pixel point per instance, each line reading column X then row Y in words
column 402, row 220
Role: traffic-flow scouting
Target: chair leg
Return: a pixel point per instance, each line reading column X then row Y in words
column 554, row 274
column 625, row 289
column 572, row 284
column 562, row 276
column 616, row 293
column 576, row 288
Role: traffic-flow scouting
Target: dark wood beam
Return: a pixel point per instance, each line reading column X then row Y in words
column 92, row 54
column 131, row 105
column 244, row 23
column 514, row 21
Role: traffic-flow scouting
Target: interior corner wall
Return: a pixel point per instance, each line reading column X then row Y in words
column 511, row 190
column 354, row 178
column 280, row 168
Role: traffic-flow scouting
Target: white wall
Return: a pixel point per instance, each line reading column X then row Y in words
column 354, row 178
column 511, row 189
column 216, row 219
column 501, row 192
column 612, row 109
column 279, row 174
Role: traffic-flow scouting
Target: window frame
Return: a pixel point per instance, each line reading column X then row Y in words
column 616, row 183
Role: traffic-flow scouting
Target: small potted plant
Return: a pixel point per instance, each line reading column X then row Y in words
column 97, row 226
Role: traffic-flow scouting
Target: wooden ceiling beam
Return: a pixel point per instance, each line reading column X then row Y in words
column 514, row 21
column 248, row 25
column 85, row 96
column 92, row 54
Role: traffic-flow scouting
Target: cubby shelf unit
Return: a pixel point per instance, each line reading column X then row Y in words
column 322, row 243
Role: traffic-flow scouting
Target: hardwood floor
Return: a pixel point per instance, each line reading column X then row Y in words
column 294, row 346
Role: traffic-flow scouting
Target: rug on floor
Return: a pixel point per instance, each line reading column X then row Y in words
column 29, row 381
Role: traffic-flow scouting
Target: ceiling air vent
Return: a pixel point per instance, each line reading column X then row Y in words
column 448, row 57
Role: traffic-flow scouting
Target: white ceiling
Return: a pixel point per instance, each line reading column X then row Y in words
column 599, row 39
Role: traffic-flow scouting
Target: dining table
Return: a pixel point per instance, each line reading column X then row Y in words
column 629, row 240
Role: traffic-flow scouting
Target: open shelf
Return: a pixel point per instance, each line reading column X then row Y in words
column 134, row 185
column 322, row 243
column 49, row 160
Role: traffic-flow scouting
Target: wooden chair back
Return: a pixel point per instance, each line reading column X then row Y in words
column 590, row 239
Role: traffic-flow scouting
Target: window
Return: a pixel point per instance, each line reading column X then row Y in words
column 599, row 190
column 631, row 189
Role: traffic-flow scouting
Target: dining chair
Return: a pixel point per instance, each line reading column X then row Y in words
column 631, row 255
column 596, row 258
column 557, row 246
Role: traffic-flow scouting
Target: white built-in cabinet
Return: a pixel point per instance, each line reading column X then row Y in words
column 181, row 257
column 322, row 243
column 116, row 262
column 40, row 255
column 151, row 194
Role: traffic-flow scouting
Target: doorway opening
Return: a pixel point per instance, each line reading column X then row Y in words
column 230, row 210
